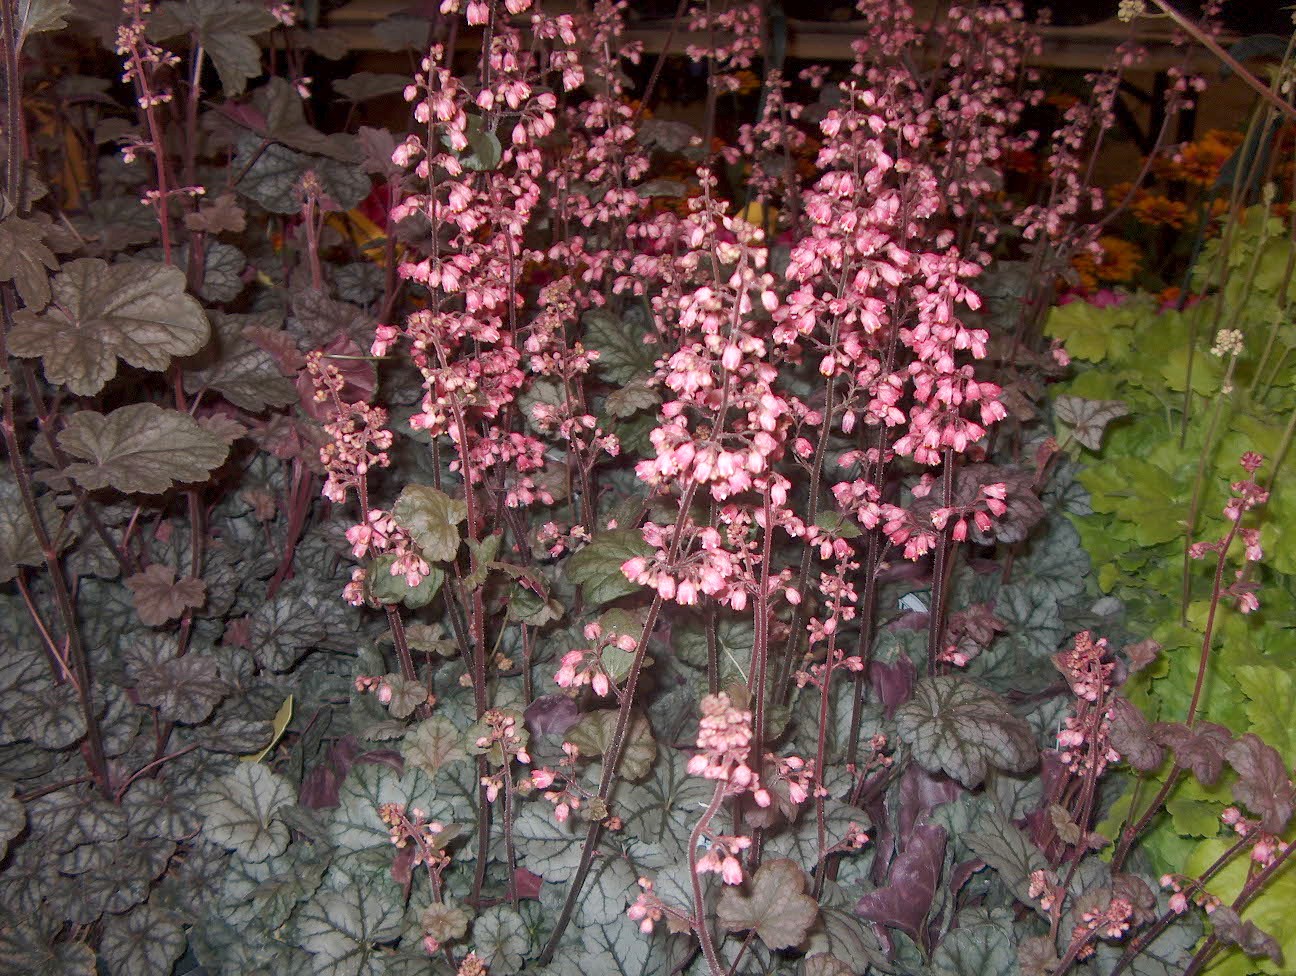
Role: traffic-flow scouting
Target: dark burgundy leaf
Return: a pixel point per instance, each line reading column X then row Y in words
column 1131, row 736
column 1230, row 928
column 922, row 792
column 893, row 683
column 1142, row 654
column 551, row 715
column 1263, row 787
column 1199, row 749
column 916, row 872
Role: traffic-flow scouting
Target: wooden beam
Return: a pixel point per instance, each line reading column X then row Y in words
column 1082, row 48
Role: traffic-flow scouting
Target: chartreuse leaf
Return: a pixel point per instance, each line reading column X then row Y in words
column 41, row 16
column 597, row 567
column 1271, row 694
column 137, row 312
column 146, row 941
column 280, row 725
column 1270, row 913
column 340, row 929
column 139, row 448
column 432, row 519
column 240, row 810
column 955, row 726
column 778, row 908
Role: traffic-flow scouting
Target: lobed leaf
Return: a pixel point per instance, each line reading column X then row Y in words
column 139, row 448
column 955, row 726
column 778, row 909
column 240, row 811
column 138, row 312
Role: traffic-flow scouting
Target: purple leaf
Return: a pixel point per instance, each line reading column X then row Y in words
column 893, row 683
column 922, row 792
column 1131, row 736
column 551, row 715
column 905, row 901
column 1263, row 787
column 1199, row 749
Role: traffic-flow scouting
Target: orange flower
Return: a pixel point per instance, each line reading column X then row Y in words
column 1158, row 210
column 1119, row 261
column 1199, row 162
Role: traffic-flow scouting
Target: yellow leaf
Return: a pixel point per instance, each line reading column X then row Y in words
column 281, row 720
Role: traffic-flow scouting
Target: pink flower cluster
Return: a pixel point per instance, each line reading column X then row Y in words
column 724, row 742
column 584, row 666
column 1084, row 743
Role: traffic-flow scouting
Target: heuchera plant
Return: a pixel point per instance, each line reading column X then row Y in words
column 471, row 551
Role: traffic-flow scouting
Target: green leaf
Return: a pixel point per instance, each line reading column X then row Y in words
column 224, row 29
column 18, row 545
column 240, row 810
column 500, row 939
column 1007, row 850
column 13, row 815
column 274, row 173
column 389, row 588
column 660, row 812
column 955, row 726
column 1055, row 564
column 984, row 944
column 432, row 519
column 49, row 715
column 593, row 736
column 137, row 312
column 284, row 629
column 629, row 399
column 71, row 817
column 778, row 908
column 550, row 849
column 146, row 941
column 597, row 567
column 26, row 261
column 140, row 448
column 183, row 689
column 406, row 694
column 1035, row 628
column 356, row 824
column 623, row 356
column 241, row 371
column 485, row 147
column 27, row 946
column 340, row 928
column 433, row 743
column 365, row 85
